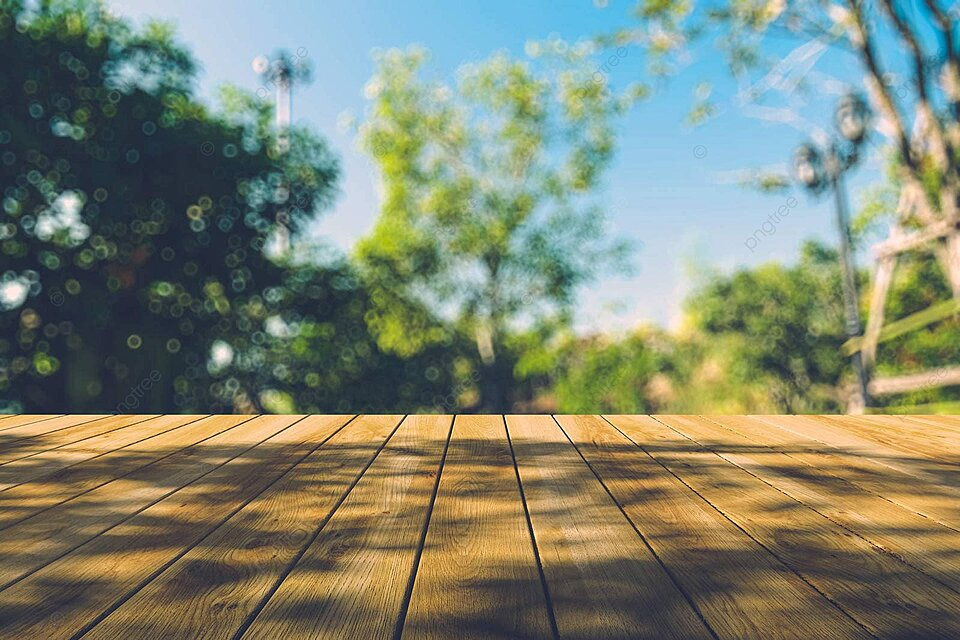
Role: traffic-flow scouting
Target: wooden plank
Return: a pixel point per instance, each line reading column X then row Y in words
column 882, row 277
column 903, row 438
column 46, row 462
column 934, row 501
column 478, row 576
column 928, row 470
column 741, row 590
column 838, row 514
column 604, row 581
column 35, row 542
column 929, row 379
column 33, row 428
column 951, row 422
column 926, row 545
column 941, row 440
column 231, row 575
column 17, row 420
column 28, row 499
column 906, row 242
column 66, row 596
column 851, row 572
column 353, row 580
column 934, row 313
column 28, row 446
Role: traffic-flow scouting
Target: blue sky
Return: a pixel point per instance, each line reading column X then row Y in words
column 669, row 190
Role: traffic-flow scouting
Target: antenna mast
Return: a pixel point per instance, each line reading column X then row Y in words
column 279, row 72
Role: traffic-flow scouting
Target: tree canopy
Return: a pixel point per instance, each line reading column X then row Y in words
column 488, row 221
column 135, row 217
column 134, row 221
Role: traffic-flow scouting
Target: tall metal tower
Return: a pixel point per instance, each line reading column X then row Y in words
column 280, row 73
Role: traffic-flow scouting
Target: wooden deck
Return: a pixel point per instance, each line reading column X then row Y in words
column 479, row 526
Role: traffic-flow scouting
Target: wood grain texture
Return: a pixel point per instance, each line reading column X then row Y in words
column 15, row 420
column 853, row 573
column 26, row 500
column 33, row 445
column 931, row 438
column 31, row 544
column 944, row 422
column 667, row 527
column 352, row 581
column 67, row 595
column 46, row 462
column 236, row 567
column 478, row 575
column 603, row 580
column 837, row 435
column 741, row 589
column 32, row 428
column 923, row 543
column 934, row 501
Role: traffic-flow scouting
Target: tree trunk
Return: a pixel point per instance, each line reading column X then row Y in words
column 496, row 372
column 495, row 381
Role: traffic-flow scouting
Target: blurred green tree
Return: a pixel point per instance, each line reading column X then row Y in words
column 775, row 329
column 627, row 375
column 318, row 355
column 759, row 340
column 908, row 58
column 133, row 273
column 133, row 217
column 487, row 223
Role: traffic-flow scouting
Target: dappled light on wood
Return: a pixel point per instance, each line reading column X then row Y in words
column 479, row 526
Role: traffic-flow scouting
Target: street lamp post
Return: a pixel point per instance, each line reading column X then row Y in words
column 281, row 72
column 821, row 169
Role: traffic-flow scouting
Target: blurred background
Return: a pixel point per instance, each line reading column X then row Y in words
column 634, row 207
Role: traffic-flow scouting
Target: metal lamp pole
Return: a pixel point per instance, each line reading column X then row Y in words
column 821, row 169
column 280, row 72
column 850, row 287
column 283, row 74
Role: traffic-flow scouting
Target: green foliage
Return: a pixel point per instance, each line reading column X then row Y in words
column 776, row 329
column 631, row 375
column 763, row 340
column 878, row 37
column 132, row 237
column 487, row 221
column 134, row 217
column 919, row 283
column 319, row 357
column 134, row 220
column 669, row 32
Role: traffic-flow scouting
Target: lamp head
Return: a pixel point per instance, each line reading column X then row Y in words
column 853, row 118
column 808, row 167
column 260, row 64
